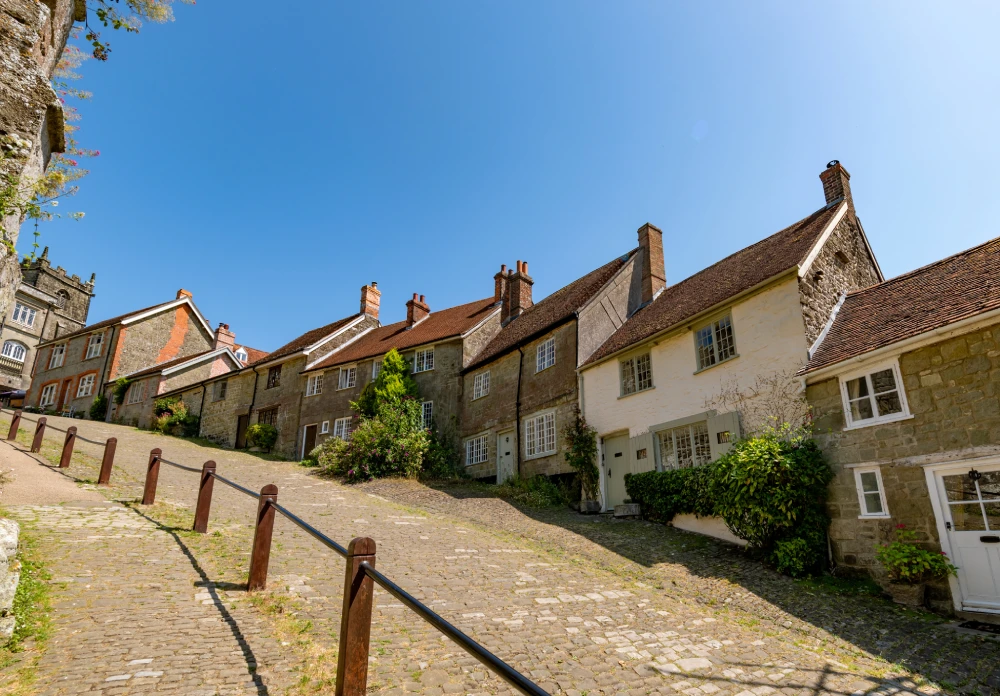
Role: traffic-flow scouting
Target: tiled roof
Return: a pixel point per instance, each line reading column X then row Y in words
column 717, row 283
column 303, row 341
column 549, row 312
column 253, row 355
column 103, row 324
column 164, row 365
column 955, row 288
column 437, row 326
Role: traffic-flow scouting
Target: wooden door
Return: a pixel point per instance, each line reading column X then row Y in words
column 616, row 465
column 505, row 455
column 308, row 440
column 242, row 423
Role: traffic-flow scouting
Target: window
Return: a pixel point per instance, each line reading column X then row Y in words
column 24, row 314
column 324, row 428
column 974, row 503
column 136, row 392
column 873, row 396
column 274, row 377
column 714, row 343
column 871, row 495
column 481, row 385
column 94, row 346
column 376, row 368
column 427, row 414
column 268, row 416
column 636, row 374
column 685, row 447
column 423, row 360
column 48, row 397
column 640, row 453
column 219, row 390
column 477, row 450
column 545, row 355
column 241, row 354
column 314, row 385
column 540, row 435
column 14, row 351
column 57, row 357
column 342, row 428
column 348, row 377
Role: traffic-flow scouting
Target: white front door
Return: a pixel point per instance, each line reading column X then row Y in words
column 970, row 505
column 615, row 467
column 505, row 455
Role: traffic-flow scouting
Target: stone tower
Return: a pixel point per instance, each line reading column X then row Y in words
column 75, row 294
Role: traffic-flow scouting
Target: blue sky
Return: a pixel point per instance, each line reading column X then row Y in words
column 273, row 162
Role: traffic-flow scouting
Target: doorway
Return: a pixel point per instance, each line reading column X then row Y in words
column 615, row 467
column 968, row 509
column 64, row 401
column 242, row 423
column 505, row 455
column 308, row 440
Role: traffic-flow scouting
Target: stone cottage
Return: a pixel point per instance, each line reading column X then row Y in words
column 904, row 384
column 70, row 370
column 436, row 344
column 49, row 303
column 654, row 389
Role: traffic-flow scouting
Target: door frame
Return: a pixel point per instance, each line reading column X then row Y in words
column 304, row 428
column 602, row 474
column 931, row 472
column 514, row 453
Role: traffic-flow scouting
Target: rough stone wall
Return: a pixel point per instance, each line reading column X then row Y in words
column 195, row 373
column 608, row 310
column 490, row 414
column 159, row 338
column 333, row 403
column 56, row 282
column 953, row 390
column 219, row 418
column 32, row 37
column 139, row 414
column 75, row 365
column 28, row 336
column 10, row 575
column 829, row 277
column 477, row 340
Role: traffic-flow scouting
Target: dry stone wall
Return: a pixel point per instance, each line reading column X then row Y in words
column 10, row 575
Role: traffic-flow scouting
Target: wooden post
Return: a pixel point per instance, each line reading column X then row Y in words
column 261, row 553
column 356, row 620
column 204, row 497
column 104, row 478
column 15, row 423
column 152, row 474
column 68, row 445
column 36, row 444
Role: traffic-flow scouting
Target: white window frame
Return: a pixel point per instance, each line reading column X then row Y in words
column 477, row 450
column 845, row 401
column 241, row 354
column 481, row 385
column 427, row 414
column 423, row 360
column 136, row 393
column 865, row 514
column 24, row 314
column 220, row 386
column 714, row 326
column 347, row 377
column 88, row 382
column 545, row 355
column 630, row 367
column 314, row 384
column 95, row 341
column 60, row 353
column 48, row 396
column 324, row 428
column 531, row 430
column 342, row 428
column 15, row 346
column 692, row 442
column 376, row 368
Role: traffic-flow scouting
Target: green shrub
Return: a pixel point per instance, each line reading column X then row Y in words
column 168, row 406
column 392, row 385
column 120, row 389
column 443, row 458
column 262, row 435
column 794, row 557
column 99, row 408
column 538, row 491
column 664, row 494
column 582, row 454
column 910, row 564
column 171, row 417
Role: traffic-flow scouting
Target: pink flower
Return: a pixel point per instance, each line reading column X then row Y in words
column 97, row 153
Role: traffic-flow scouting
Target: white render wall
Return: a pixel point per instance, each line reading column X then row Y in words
column 770, row 337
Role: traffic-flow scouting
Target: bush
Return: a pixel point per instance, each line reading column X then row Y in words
column 664, row 494
column 443, row 459
column 99, row 409
column 392, row 385
column 120, row 389
column 794, row 557
column 538, row 491
column 171, row 417
column 582, row 454
column 262, row 435
column 910, row 564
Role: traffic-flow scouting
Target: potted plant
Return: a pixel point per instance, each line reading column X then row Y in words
column 581, row 454
column 910, row 567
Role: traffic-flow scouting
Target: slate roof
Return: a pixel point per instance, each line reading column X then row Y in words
column 732, row 275
column 549, row 312
column 102, row 324
column 303, row 341
column 437, row 326
column 947, row 291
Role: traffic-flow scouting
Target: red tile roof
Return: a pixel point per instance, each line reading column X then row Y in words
column 732, row 275
column 253, row 355
column 303, row 341
column 547, row 313
column 438, row 326
column 947, row 291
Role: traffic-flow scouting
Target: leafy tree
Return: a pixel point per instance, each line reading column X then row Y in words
column 392, row 385
column 125, row 14
column 582, row 454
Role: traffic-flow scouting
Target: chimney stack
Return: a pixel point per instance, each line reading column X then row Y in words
column 654, row 277
column 370, row 300
column 836, row 183
column 518, row 296
column 416, row 310
column 183, row 293
column 224, row 338
column 500, row 285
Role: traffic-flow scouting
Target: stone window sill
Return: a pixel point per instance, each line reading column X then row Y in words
column 641, row 391
column 878, row 421
column 721, row 362
column 874, row 517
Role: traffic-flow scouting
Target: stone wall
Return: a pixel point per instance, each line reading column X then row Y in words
column 10, row 575
column 219, row 417
column 159, row 338
column 609, row 309
column 75, row 365
column 287, row 398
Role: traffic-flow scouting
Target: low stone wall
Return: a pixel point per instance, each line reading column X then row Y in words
column 10, row 574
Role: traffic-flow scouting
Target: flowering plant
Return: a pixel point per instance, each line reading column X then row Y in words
column 910, row 564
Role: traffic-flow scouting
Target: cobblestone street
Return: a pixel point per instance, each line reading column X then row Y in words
column 584, row 605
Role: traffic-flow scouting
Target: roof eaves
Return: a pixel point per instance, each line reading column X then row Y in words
column 317, row 361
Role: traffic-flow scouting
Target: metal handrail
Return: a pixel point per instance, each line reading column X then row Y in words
column 49, row 426
column 308, row 528
column 233, row 485
column 179, row 466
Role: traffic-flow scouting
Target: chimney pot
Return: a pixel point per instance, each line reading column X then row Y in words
column 370, row 300
column 416, row 309
column 224, row 338
column 183, row 293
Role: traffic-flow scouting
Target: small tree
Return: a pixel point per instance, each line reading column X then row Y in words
column 392, row 385
column 262, row 435
column 99, row 408
column 582, row 455
column 120, row 389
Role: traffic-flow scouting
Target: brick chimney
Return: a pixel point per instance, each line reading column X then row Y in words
column 416, row 310
column 836, row 183
column 183, row 293
column 518, row 292
column 654, row 277
column 224, row 338
column 370, row 300
column 500, row 284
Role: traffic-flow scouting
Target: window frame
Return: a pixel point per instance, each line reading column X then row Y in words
column 241, row 354
column 54, row 387
column 540, row 349
column 862, row 503
column 689, row 425
column 22, row 311
column 15, row 345
column 314, row 384
column 324, row 428
column 425, row 352
column 425, row 421
column 712, row 323
column 634, row 360
column 223, row 386
column 136, row 388
column 481, row 385
column 376, row 368
column 482, row 453
column 92, row 344
column 345, row 431
column 866, row 373
column 59, row 350
column 352, row 379
column 268, row 412
column 532, row 420
column 273, row 377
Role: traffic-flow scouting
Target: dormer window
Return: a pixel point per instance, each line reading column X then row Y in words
column 241, row 354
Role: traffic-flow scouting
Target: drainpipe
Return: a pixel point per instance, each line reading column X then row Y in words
column 517, row 409
column 201, row 409
column 105, row 375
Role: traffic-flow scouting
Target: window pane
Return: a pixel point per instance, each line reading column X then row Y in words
column 702, row 444
column 888, row 403
column 725, row 347
column 628, row 376
column 706, row 349
column 883, row 381
column 873, row 504
column 644, row 376
column 856, row 388
column 668, row 460
column 993, row 516
column 989, row 485
column 960, row 487
column 967, row 517
column 682, row 441
column 869, row 482
column 861, row 409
